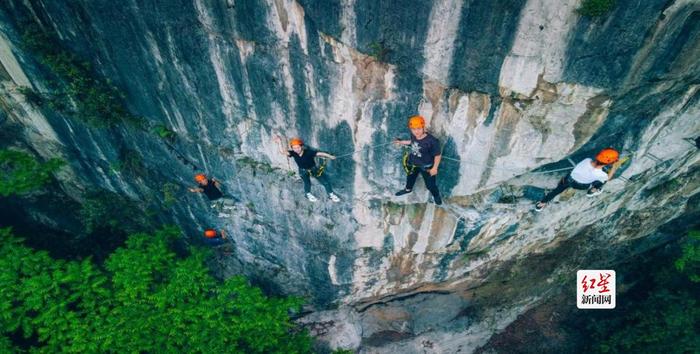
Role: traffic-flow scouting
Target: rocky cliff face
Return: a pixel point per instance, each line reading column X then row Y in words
column 514, row 89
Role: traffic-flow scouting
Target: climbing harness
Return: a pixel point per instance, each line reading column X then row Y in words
column 318, row 170
column 411, row 168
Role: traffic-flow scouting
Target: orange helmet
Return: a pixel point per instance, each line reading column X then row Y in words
column 200, row 177
column 607, row 156
column 296, row 141
column 416, row 122
column 209, row 233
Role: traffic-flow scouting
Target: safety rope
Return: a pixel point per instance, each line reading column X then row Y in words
column 354, row 151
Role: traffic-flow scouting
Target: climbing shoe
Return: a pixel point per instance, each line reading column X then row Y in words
column 401, row 192
column 333, row 197
column 311, row 197
column 224, row 215
column 539, row 206
column 594, row 191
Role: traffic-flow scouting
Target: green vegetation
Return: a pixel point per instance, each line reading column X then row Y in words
column 378, row 51
column 660, row 314
column 170, row 192
column 32, row 96
column 689, row 262
column 163, row 132
column 256, row 165
column 146, row 299
column 393, row 208
column 250, row 206
column 595, row 8
column 110, row 212
column 20, row 172
column 79, row 91
column 130, row 162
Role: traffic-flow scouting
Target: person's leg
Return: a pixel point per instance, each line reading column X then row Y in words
column 228, row 203
column 431, row 184
column 325, row 182
column 307, row 180
column 595, row 188
column 562, row 186
column 410, row 182
column 411, row 179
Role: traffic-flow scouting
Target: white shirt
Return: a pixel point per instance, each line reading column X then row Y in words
column 585, row 173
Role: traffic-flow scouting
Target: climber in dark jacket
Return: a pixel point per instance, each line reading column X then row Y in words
column 424, row 158
column 214, row 238
column 304, row 158
column 211, row 187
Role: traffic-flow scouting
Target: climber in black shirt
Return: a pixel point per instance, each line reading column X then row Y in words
column 304, row 158
column 211, row 187
column 424, row 158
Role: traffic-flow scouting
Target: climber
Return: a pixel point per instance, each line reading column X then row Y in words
column 587, row 175
column 214, row 238
column 211, row 187
column 304, row 157
column 424, row 158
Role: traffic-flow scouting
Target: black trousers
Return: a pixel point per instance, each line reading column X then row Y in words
column 566, row 183
column 430, row 181
column 323, row 179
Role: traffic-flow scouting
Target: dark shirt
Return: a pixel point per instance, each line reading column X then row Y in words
column 306, row 160
column 211, row 191
column 215, row 241
column 423, row 152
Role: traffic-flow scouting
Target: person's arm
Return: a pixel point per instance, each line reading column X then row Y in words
column 217, row 184
column 325, row 155
column 398, row 141
column 196, row 190
column 436, row 162
column 282, row 150
column 437, row 152
column 614, row 168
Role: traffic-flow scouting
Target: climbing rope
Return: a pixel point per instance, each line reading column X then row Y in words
column 371, row 147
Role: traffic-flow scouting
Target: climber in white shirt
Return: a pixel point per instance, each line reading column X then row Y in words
column 587, row 175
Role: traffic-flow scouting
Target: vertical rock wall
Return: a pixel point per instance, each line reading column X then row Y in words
column 512, row 88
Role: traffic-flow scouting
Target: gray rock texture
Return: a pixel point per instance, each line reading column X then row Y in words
column 514, row 89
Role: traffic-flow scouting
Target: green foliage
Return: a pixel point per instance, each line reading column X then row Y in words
column 32, row 96
column 661, row 314
column 147, row 300
column 256, row 165
column 163, row 132
column 103, row 210
column 170, row 191
column 79, row 91
column 664, row 322
column 689, row 262
column 393, row 208
column 595, row 8
column 378, row 50
column 130, row 162
column 20, row 172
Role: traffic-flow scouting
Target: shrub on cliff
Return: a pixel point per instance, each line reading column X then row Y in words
column 146, row 299
column 661, row 313
column 21, row 173
column 595, row 8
